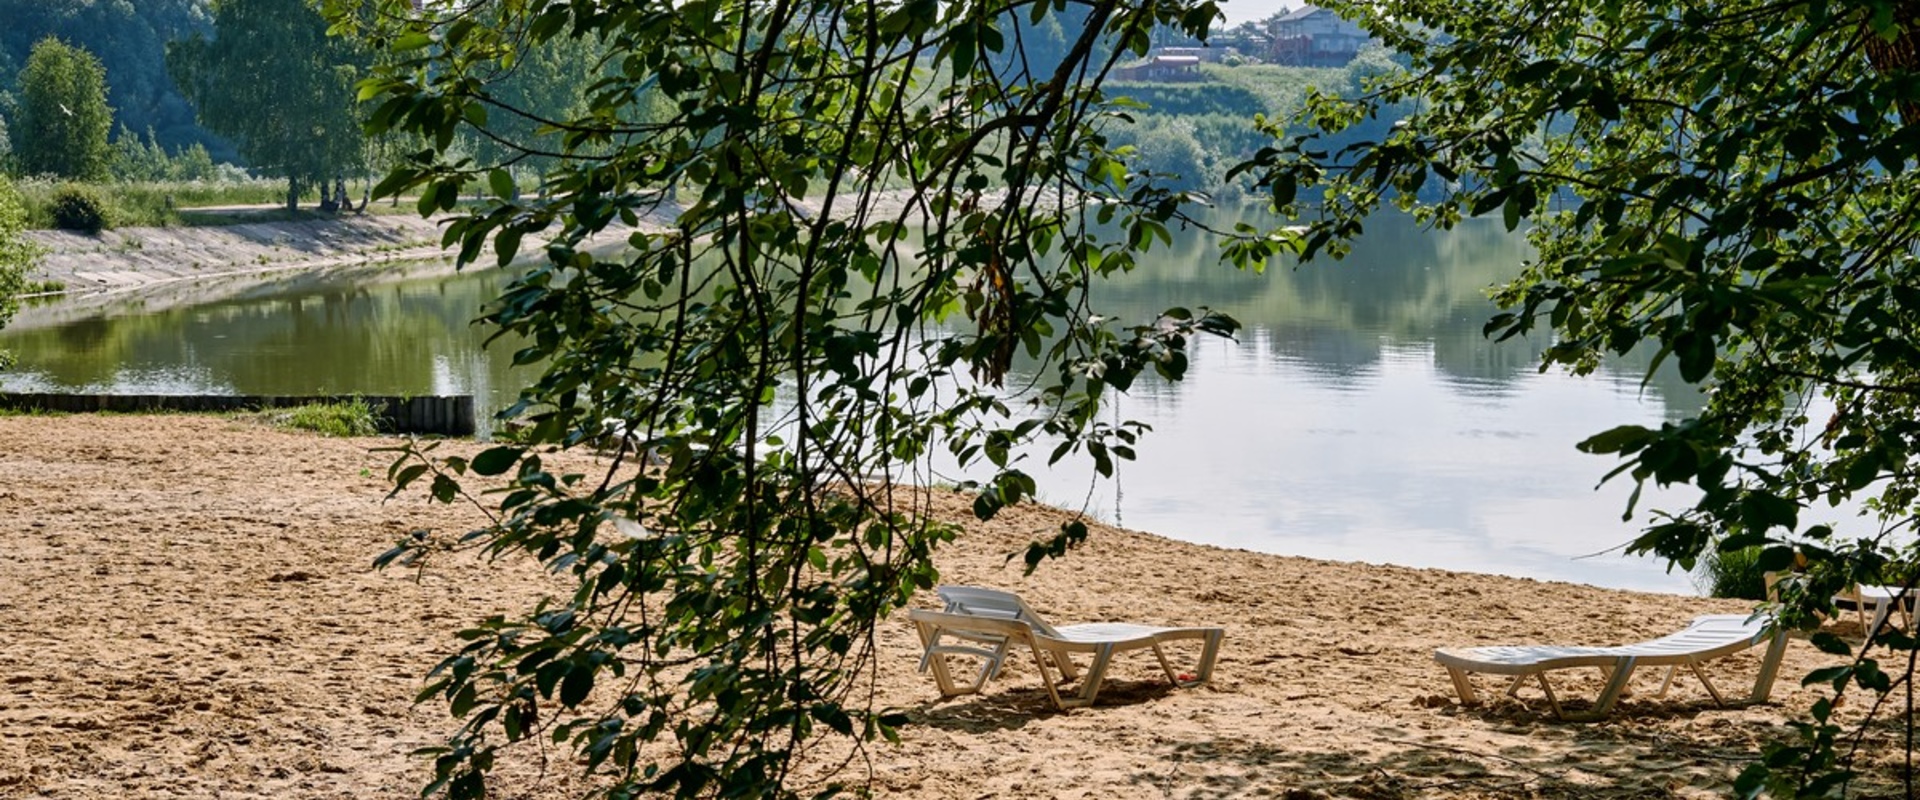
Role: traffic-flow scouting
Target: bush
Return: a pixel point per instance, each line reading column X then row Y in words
column 1735, row 573
column 79, row 208
column 348, row 418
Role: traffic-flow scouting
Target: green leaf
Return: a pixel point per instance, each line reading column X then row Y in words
column 411, row 41
column 577, row 685
column 445, row 488
column 501, row 181
column 1830, row 644
column 405, row 477
column 1836, row 676
column 1697, row 354
column 506, row 244
column 1620, row 439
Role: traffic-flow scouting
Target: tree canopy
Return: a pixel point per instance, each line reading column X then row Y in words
column 129, row 38
column 279, row 87
column 1730, row 186
column 858, row 214
column 64, row 117
column 16, row 254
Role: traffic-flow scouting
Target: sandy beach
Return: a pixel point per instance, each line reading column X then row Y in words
column 194, row 614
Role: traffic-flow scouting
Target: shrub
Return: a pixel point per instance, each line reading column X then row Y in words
column 1734, row 573
column 347, row 418
column 79, row 208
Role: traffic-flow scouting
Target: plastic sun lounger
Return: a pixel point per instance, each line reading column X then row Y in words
column 1883, row 601
column 1707, row 638
column 990, row 621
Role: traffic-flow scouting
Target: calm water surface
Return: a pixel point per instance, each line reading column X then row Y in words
column 1360, row 416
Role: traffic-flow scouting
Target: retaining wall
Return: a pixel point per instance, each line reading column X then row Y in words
column 447, row 416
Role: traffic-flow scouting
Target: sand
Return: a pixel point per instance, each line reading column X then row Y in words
column 193, row 613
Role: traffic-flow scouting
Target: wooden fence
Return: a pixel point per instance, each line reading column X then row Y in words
column 447, row 416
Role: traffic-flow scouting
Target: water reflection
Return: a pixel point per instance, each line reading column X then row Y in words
column 403, row 330
column 1361, row 416
column 1385, row 462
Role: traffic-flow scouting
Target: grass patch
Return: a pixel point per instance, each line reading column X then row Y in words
column 157, row 204
column 1281, row 91
column 346, row 418
column 32, row 411
column 152, row 204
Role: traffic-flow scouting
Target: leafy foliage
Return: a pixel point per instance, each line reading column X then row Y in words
column 271, row 80
column 1735, row 573
column 129, row 38
column 137, row 159
column 1193, row 99
column 16, row 255
column 64, row 117
column 158, row 203
column 877, row 208
column 1730, row 185
column 77, row 207
column 546, row 82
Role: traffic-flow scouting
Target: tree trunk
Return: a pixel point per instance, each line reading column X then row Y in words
column 1902, row 53
column 293, row 193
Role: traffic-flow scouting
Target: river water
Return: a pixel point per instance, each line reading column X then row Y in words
column 1360, row 415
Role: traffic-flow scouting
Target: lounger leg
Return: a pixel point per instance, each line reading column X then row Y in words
column 1096, row 672
column 992, row 667
column 1881, row 608
column 1668, row 683
column 1165, row 666
column 1617, row 684
column 1065, row 663
column 1046, row 679
column 1208, row 654
column 1203, row 672
column 1769, row 667
column 926, row 646
column 942, row 675
column 1462, row 685
column 1552, row 702
column 1715, row 693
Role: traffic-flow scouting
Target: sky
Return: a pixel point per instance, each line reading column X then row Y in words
column 1238, row 11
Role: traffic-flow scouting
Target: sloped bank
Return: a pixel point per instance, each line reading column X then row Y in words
column 131, row 258
column 149, row 269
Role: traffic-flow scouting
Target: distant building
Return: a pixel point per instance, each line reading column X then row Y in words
column 1314, row 37
column 1160, row 67
column 1210, row 55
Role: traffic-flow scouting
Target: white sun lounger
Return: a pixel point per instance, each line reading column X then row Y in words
column 987, row 622
column 1706, row 639
column 1882, row 601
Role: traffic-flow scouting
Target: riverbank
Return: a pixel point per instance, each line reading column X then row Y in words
column 193, row 613
column 143, row 270
column 132, row 258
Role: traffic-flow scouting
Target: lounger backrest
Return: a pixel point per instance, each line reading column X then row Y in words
column 993, row 604
column 1709, row 636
